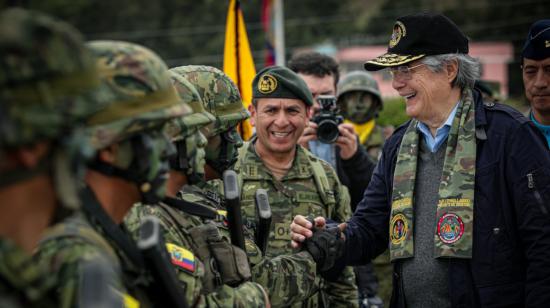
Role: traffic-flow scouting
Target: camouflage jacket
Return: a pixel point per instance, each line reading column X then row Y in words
column 287, row 279
column 374, row 143
column 74, row 251
column 22, row 282
column 311, row 187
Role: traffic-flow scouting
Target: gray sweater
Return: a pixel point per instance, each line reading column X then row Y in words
column 425, row 279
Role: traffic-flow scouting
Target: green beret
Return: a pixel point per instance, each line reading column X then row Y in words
column 280, row 82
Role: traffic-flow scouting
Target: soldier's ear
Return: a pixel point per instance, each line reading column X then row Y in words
column 30, row 156
column 108, row 154
column 252, row 110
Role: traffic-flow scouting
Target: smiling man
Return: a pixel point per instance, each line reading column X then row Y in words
column 461, row 193
column 536, row 74
column 296, row 181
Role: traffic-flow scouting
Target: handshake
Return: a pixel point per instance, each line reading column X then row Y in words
column 325, row 244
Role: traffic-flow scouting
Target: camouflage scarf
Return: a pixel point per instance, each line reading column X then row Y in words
column 453, row 225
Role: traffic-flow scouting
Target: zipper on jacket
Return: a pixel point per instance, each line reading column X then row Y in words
column 531, row 185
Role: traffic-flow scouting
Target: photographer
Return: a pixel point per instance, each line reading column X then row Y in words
column 346, row 155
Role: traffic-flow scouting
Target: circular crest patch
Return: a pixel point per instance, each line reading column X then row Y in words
column 399, row 31
column 450, row 228
column 399, row 228
column 267, row 84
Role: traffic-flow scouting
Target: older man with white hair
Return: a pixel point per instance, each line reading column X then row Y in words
column 461, row 194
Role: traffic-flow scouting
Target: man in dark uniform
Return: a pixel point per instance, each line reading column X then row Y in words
column 536, row 74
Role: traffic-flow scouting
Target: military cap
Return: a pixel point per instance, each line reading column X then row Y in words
column 419, row 35
column 46, row 73
column 280, row 82
column 537, row 45
column 136, row 93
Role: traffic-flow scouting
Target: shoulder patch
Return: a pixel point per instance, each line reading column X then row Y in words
column 181, row 257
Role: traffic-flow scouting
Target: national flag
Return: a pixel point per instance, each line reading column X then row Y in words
column 238, row 63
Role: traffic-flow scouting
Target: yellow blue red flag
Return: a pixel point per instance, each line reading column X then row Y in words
column 238, row 63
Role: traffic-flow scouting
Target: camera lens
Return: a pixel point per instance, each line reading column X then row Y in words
column 327, row 131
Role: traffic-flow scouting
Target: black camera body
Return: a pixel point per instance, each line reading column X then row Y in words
column 327, row 119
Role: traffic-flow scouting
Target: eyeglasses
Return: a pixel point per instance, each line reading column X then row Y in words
column 403, row 72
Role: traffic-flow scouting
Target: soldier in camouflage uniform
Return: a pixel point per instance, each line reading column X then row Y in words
column 136, row 99
column 46, row 72
column 360, row 102
column 205, row 238
column 296, row 181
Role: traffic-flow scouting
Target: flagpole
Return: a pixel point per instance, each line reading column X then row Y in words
column 279, row 33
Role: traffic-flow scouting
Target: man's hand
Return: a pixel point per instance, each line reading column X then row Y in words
column 347, row 141
column 325, row 246
column 310, row 133
column 301, row 228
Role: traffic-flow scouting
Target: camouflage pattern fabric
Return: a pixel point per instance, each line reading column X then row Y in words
column 190, row 265
column 22, row 282
column 297, row 193
column 289, row 279
column 67, row 248
column 46, row 70
column 219, row 94
column 454, row 218
column 136, row 93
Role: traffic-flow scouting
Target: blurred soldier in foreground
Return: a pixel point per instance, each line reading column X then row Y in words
column 536, row 74
column 461, row 193
column 131, row 165
column 295, row 180
column 360, row 102
column 46, row 70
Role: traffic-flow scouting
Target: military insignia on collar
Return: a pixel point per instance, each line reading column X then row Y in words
column 267, row 84
column 399, row 228
column 546, row 43
column 450, row 228
column 399, row 31
column 181, row 257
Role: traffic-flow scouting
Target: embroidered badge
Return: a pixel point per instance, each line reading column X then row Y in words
column 399, row 31
column 267, row 84
column 181, row 257
column 399, row 228
column 450, row 228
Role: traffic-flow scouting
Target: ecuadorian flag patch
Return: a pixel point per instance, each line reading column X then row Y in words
column 181, row 257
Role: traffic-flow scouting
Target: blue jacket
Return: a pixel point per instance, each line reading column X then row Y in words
column 511, row 241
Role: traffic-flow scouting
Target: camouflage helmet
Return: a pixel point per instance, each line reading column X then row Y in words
column 359, row 81
column 188, row 139
column 136, row 93
column 196, row 116
column 220, row 96
column 46, row 69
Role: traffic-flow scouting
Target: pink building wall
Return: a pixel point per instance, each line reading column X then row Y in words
column 494, row 58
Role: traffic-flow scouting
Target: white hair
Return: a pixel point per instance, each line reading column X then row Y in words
column 468, row 67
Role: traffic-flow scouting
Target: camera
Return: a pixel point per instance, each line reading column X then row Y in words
column 327, row 119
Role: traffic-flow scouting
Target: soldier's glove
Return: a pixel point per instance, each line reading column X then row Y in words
column 326, row 246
